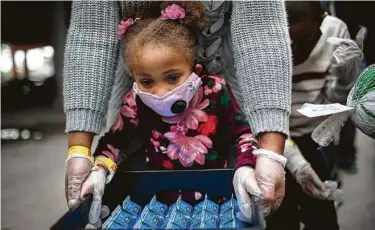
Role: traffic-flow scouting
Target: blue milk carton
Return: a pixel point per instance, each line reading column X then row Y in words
column 131, row 207
column 170, row 225
column 226, row 217
column 208, row 206
column 123, row 218
column 157, row 207
column 206, row 219
column 228, row 205
column 140, row 225
column 109, row 224
column 183, row 207
column 179, row 219
column 151, row 219
column 229, row 220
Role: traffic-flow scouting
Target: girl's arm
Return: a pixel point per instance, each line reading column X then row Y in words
column 90, row 61
column 239, row 128
column 118, row 142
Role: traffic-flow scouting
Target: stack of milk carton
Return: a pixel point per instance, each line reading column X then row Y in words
column 180, row 215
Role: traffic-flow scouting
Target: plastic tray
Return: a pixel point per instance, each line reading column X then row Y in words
column 143, row 185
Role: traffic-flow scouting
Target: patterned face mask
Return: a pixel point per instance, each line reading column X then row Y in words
column 175, row 101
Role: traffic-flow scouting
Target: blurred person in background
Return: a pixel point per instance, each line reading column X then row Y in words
column 253, row 35
column 317, row 79
column 356, row 14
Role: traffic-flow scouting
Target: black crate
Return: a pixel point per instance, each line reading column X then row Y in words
column 143, row 185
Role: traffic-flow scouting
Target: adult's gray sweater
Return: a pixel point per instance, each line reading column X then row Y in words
column 246, row 42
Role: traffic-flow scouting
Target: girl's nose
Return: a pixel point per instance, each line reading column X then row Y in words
column 161, row 91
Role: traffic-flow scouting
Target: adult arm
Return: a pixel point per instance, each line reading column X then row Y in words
column 264, row 68
column 89, row 65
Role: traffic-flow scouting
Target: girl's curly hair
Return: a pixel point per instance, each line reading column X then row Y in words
column 152, row 29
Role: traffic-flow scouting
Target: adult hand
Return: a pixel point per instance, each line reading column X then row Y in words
column 270, row 175
column 94, row 184
column 306, row 176
column 77, row 169
column 245, row 185
column 76, row 172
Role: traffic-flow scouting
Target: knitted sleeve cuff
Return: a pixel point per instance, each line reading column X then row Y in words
column 269, row 120
column 84, row 120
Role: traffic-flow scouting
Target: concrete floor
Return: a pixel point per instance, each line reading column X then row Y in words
column 33, row 184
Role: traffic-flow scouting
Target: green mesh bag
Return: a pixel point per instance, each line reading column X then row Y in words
column 362, row 99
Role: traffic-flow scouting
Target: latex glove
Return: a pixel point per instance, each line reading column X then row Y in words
column 94, row 184
column 306, row 176
column 270, row 175
column 77, row 170
column 347, row 58
column 245, row 185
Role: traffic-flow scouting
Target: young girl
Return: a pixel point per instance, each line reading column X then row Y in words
column 189, row 121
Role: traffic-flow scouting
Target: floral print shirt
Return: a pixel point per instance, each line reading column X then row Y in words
column 202, row 137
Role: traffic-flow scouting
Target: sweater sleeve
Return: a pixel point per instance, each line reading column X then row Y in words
column 239, row 128
column 90, row 62
column 263, row 61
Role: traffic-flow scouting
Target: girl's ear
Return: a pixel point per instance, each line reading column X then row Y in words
column 198, row 69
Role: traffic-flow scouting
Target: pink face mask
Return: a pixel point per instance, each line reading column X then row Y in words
column 173, row 102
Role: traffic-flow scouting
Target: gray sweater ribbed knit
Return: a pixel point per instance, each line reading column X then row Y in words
column 255, row 58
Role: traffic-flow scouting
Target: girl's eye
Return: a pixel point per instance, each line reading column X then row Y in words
column 172, row 78
column 146, row 83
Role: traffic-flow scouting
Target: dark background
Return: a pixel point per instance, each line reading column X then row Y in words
column 27, row 22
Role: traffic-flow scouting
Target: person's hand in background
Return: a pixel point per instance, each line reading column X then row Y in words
column 306, row 176
column 347, row 58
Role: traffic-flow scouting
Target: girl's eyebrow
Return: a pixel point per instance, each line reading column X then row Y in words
column 170, row 71
column 144, row 75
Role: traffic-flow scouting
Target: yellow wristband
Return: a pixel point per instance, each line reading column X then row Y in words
column 79, row 150
column 79, row 155
column 109, row 164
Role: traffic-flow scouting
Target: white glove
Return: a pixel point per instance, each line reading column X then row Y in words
column 306, row 176
column 77, row 170
column 94, row 184
column 347, row 58
column 245, row 185
column 270, row 175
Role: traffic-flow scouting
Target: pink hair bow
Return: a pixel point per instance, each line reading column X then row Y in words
column 173, row 12
column 123, row 27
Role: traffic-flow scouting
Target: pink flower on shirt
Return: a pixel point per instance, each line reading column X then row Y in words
column 247, row 141
column 216, row 88
column 118, row 125
column 129, row 108
column 155, row 139
column 218, row 80
column 112, row 154
column 194, row 114
column 186, row 149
